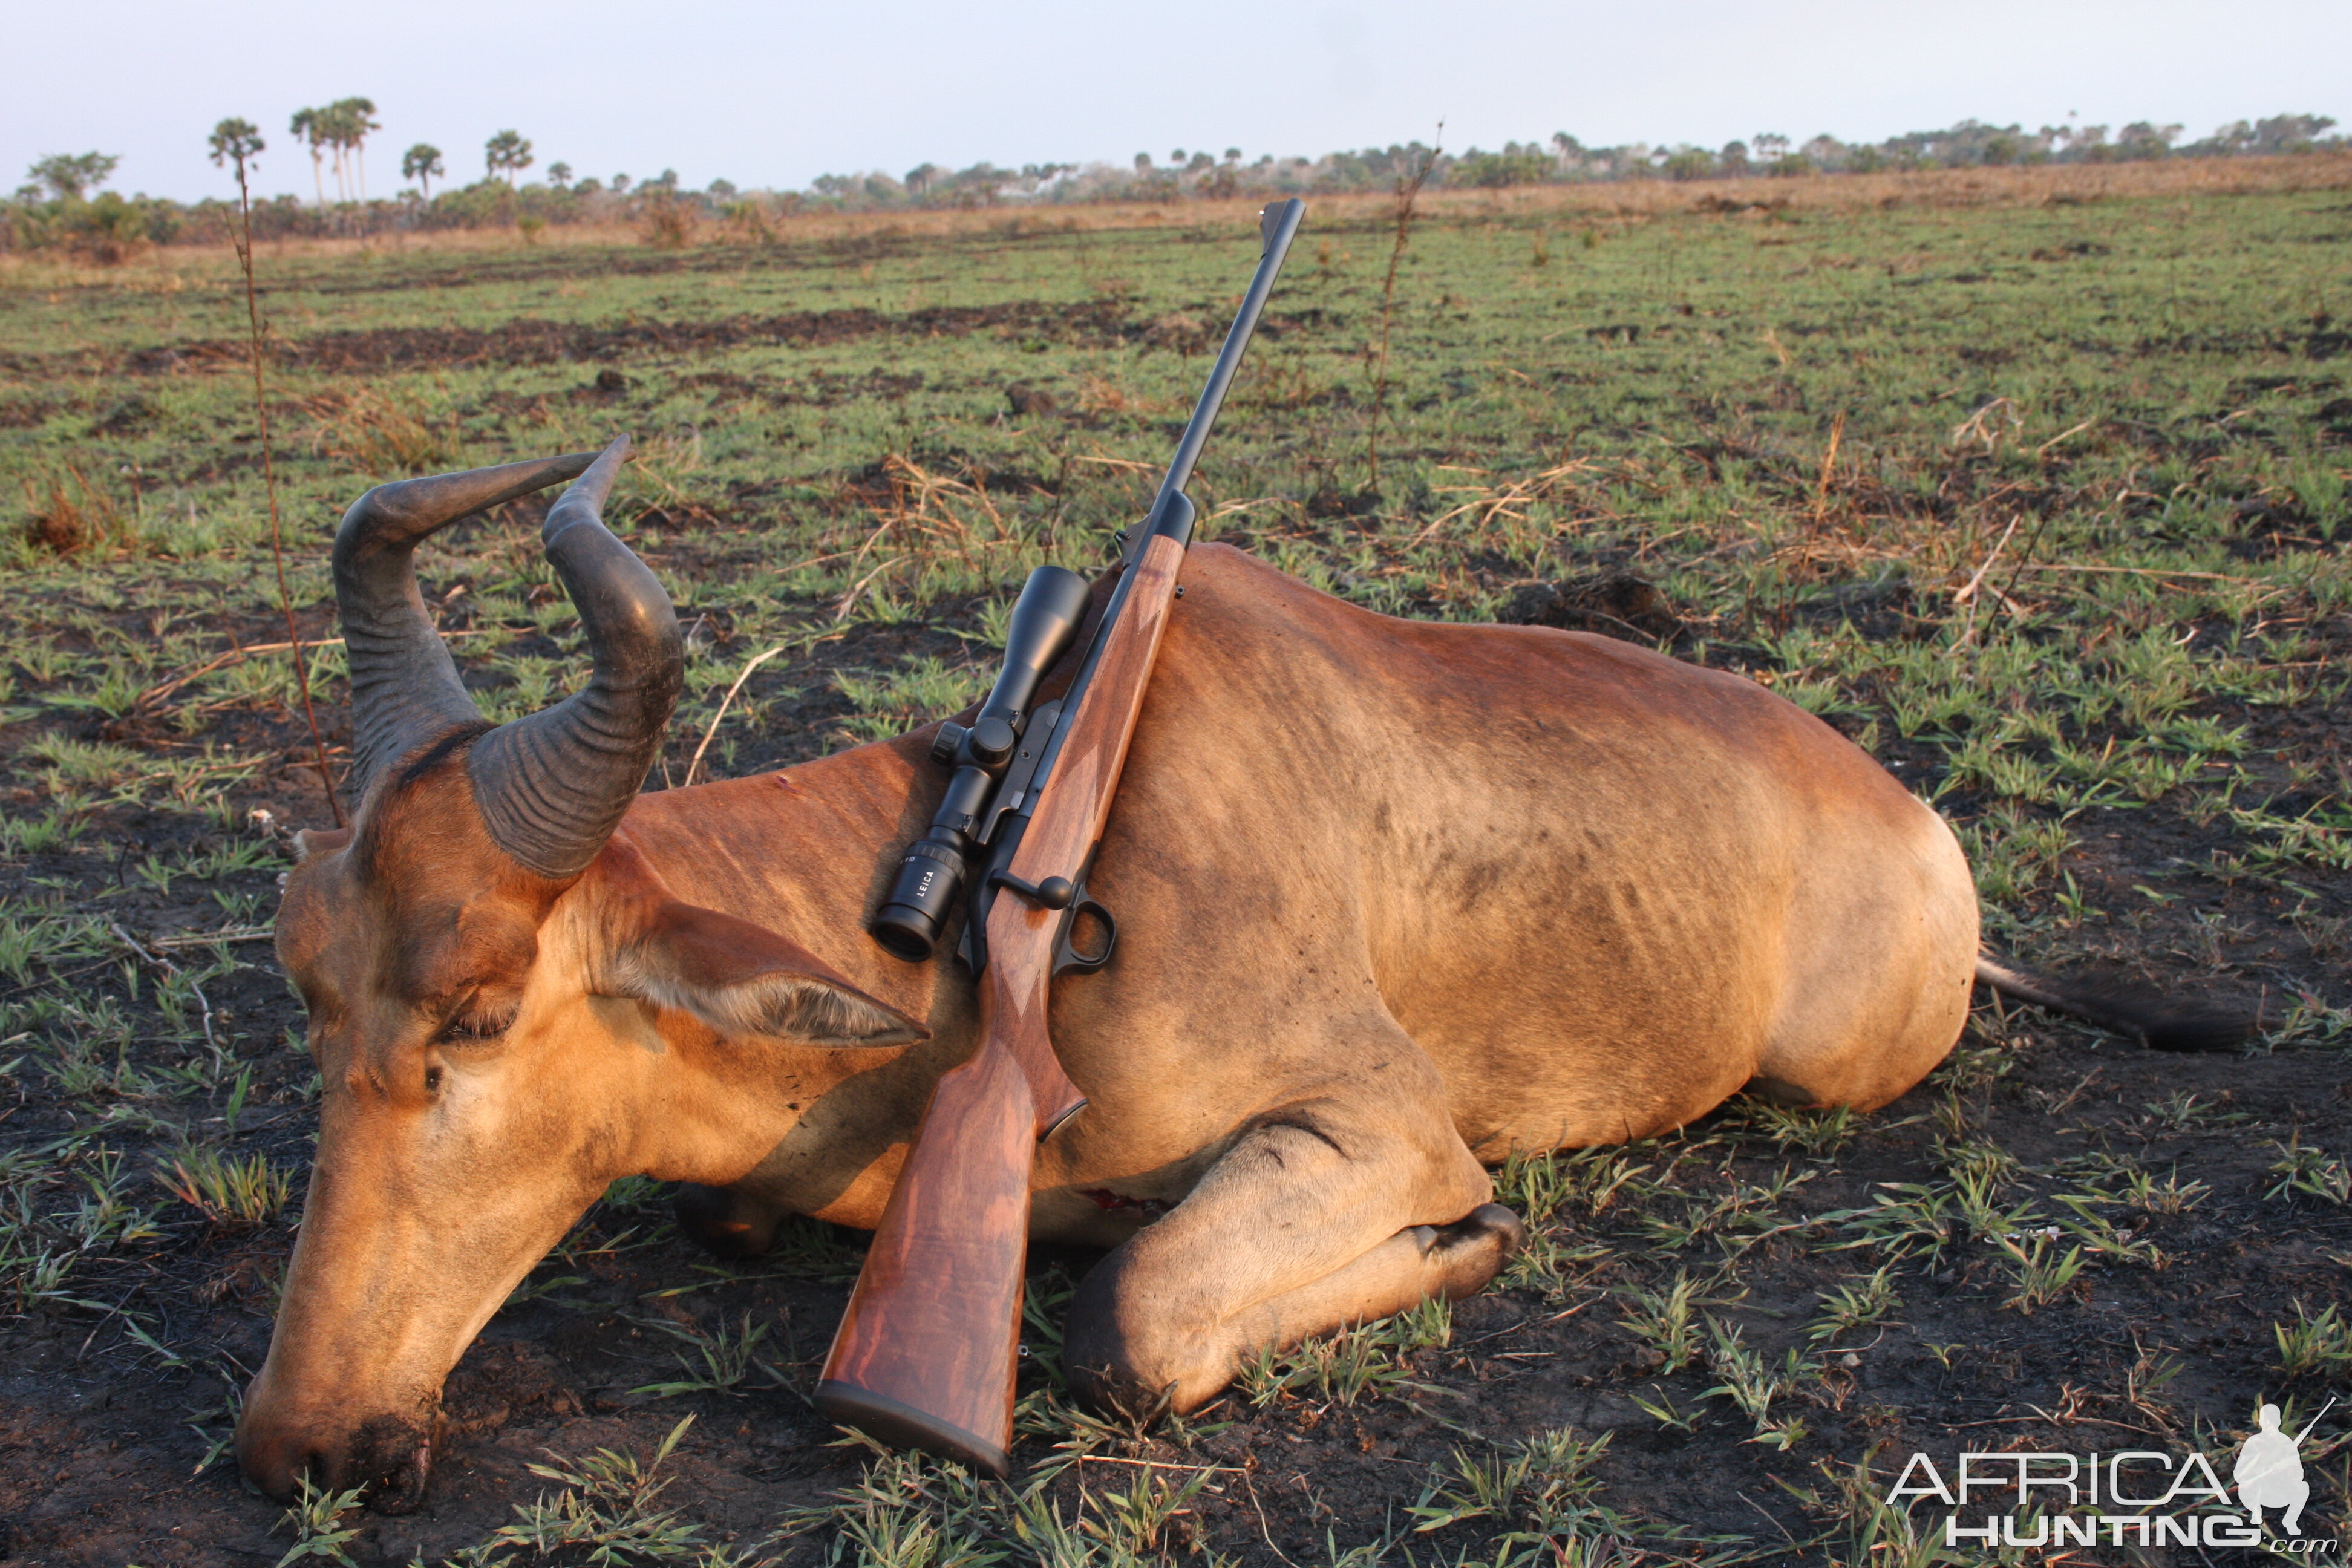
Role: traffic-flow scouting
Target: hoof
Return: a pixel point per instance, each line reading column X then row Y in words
column 1473, row 1249
column 723, row 1222
column 1108, row 1389
column 1488, row 1222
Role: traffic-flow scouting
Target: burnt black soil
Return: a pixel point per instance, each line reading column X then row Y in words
column 525, row 341
column 115, row 1390
column 104, row 1435
column 101, row 1440
column 529, row 340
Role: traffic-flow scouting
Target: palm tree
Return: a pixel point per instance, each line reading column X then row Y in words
column 354, row 119
column 310, row 125
column 333, row 130
column 238, row 141
column 508, row 153
column 422, row 164
column 559, row 175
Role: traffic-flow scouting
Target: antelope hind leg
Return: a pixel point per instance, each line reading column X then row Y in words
column 1320, row 1215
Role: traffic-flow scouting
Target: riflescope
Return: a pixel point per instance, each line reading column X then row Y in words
column 931, row 879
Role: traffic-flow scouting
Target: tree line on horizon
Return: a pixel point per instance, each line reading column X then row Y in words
column 64, row 205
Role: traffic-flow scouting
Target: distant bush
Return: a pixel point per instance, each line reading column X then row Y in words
column 667, row 219
column 107, row 229
column 1689, row 164
column 1494, row 169
column 58, row 213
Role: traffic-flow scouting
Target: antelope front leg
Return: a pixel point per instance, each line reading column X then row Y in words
column 1323, row 1213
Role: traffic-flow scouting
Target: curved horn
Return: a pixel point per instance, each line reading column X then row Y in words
column 553, row 785
column 404, row 690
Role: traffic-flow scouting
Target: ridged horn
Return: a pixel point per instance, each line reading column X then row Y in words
column 552, row 786
column 404, row 690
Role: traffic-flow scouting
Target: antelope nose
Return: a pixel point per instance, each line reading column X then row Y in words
column 392, row 1458
column 274, row 1455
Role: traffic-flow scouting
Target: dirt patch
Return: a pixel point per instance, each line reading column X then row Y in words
column 531, row 341
column 1616, row 603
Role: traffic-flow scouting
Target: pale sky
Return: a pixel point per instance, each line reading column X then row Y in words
column 776, row 94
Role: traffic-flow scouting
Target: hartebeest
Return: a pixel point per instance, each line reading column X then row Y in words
column 1396, row 898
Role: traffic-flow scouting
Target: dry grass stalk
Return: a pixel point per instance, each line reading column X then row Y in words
column 928, row 515
column 269, row 486
column 374, row 433
column 1968, row 593
column 1829, row 467
column 1408, row 195
column 65, row 514
column 1988, row 425
column 1508, row 503
column 725, row 702
column 657, row 473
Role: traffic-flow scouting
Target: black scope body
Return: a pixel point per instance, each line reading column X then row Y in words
column 931, row 878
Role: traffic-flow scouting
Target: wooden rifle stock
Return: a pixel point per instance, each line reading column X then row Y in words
column 927, row 1352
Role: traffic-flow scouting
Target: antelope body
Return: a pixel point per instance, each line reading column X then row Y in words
column 1394, row 899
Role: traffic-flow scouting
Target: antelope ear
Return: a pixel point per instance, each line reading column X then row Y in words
column 314, row 841
column 744, row 979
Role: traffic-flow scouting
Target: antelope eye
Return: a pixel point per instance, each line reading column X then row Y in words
column 432, row 1080
column 475, row 1024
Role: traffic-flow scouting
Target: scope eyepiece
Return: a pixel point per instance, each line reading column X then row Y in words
column 931, row 880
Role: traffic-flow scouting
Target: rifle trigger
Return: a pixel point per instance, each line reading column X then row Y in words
column 1068, row 959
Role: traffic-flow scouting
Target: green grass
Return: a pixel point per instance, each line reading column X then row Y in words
column 2321, row 1343
column 1812, row 430
column 230, row 1192
column 878, row 476
column 1357, row 1364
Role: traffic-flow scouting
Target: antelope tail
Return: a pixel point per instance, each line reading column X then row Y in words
column 2154, row 1021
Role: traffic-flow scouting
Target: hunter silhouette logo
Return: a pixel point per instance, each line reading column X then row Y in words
column 2269, row 1471
column 2137, row 1497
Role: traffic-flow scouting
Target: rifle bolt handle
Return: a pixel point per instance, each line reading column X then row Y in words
column 1053, row 893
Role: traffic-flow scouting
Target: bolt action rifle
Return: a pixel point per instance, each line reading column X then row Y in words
column 926, row 1354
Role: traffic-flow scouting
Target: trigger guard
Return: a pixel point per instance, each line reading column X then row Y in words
column 1068, row 959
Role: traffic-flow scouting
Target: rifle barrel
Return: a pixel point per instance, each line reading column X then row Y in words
column 1283, row 219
